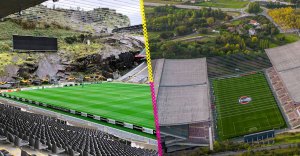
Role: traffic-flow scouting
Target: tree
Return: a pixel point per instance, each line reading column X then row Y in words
column 287, row 18
column 182, row 30
column 210, row 20
column 217, row 146
column 166, row 35
column 254, row 39
column 264, row 44
column 254, row 8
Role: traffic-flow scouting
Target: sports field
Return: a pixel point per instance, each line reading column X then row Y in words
column 257, row 111
column 236, row 4
column 129, row 103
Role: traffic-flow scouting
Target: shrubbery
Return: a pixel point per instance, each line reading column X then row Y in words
column 254, row 8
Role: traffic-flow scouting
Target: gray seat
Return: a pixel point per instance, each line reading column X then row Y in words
column 19, row 142
column 38, row 145
column 3, row 138
column 57, row 150
column 24, row 153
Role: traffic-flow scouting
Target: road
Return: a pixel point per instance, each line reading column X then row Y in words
column 264, row 13
column 190, row 38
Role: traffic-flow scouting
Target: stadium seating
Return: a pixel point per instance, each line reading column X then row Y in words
column 137, row 75
column 47, row 133
column 4, row 153
column 199, row 132
column 289, row 106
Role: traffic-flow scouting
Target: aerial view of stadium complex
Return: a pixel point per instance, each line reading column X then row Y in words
column 227, row 75
column 74, row 80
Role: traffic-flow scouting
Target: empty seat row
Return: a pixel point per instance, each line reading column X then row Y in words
column 47, row 133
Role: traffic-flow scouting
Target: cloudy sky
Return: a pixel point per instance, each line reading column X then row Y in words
column 131, row 8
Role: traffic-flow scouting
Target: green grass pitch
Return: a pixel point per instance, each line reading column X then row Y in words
column 129, row 103
column 235, row 119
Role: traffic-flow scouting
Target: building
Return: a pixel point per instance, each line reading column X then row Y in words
column 183, row 101
column 252, row 32
column 254, row 22
column 285, row 76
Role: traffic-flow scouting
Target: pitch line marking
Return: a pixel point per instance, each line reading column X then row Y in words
column 267, row 120
column 234, row 128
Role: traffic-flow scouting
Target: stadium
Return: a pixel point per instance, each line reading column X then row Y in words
column 246, row 98
column 74, row 81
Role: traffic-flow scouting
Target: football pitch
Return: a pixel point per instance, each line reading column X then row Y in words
column 257, row 111
column 130, row 103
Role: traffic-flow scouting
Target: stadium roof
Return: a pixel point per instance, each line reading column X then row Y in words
column 184, row 72
column 286, row 61
column 285, row 57
column 12, row 6
column 183, row 93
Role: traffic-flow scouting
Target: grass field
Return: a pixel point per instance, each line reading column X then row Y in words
column 129, row 103
column 173, row 2
column 235, row 119
column 236, row 4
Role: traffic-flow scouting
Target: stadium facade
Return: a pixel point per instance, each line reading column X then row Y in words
column 185, row 96
column 285, row 76
column 182, row 89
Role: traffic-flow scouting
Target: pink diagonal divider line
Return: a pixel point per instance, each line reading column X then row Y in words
column 155, row 112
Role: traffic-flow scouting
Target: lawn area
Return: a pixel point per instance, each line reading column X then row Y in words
column 165, row 1
column 236, row 4
column 8, row 29
column 288, row 38
column 149, row 10
column 287, row 138
column 237, row 22
column 232, row 13
column 236, row 119
column 128, row 103
column 153, row 35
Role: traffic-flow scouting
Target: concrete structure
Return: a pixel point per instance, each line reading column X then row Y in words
column 134, row 28
column 137, row 75
column 285, row 80
column 182, row 89
column 13, row 6
column 286, row 61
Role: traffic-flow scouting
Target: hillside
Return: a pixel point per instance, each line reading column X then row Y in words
column 99, row 20
column 107, row 52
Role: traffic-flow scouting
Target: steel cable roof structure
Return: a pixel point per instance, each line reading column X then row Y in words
column 13, row 6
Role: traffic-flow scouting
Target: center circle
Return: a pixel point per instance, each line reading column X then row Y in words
column 245, row 100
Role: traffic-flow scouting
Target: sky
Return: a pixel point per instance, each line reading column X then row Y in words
column 131, row 8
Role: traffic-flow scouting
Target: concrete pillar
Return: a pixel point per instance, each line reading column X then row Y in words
column 211, row 144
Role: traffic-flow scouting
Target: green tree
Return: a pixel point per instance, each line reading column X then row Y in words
column 254, row 39
column 217, row 146
column 182, row 30
column 210, row 20
column 254, row 7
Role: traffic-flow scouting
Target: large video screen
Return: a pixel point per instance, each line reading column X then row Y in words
column 31, row 43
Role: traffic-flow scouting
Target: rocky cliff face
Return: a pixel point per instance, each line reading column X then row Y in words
column 100, row 20
column 116, row 55
column 98, row 52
